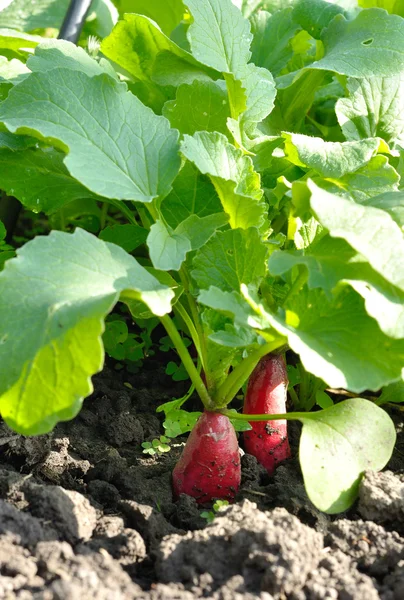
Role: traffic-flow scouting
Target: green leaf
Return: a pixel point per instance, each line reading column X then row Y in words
column 371, row 45
column 392, row 393
column 337, row 341
column 377, row 177
column 54, row 298
column 136, row 42
column 370, row 231
column 219, row 357
column 12, row 71
column 133, row 152
column 219, row 36
column 27, row 16
column 102, row 17
column 332, row 262
column 330, row 159
column 260, row 91
column 233, row 305
column 201, row 106
column 168, row 248
column 17, row 41
column 315, row 15
column 15, row 142
column 166, row 13
column 392, row 6
column 373, row 109
column 128, row 237
column 39, row 179
column 392, row 203
column 272, row 35
column 178, row 422
column 192, row 194
column 232, row 174
column 52, row 54
column 338, row 445
column 229, row 259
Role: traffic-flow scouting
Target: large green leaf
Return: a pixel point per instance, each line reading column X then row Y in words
column 332, row 261
column 219, row 36
column 338, row 341
column 40, row 14
column 52, row 54
column 136, row 42
column 330, row 159
column 168, row 248
column 392, row 393
column 315, row 15
column 375, row 178
column 12, row 71
column 232, row 174
column 272, row 35
column 260, row 91
column 391, row 202
column 229, row 259
column 192, row 194
column 17, row 41
column 370, row 231
column 54, row 297
column 129, row 237
column 371, row 45
column 392, row 6
column 166, row 13
column 373, row 108
column 39, row 179
column 201, row 106
column 118, row 148
column 338, row 445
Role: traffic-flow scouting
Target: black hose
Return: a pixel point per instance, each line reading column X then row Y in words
column 74, row 20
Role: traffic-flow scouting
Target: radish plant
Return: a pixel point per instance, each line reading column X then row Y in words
column 256, row 152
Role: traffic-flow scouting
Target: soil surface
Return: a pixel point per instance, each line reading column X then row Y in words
column 85, row 515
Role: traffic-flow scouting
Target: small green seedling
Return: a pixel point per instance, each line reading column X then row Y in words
column 209, row 515
column 158, row 446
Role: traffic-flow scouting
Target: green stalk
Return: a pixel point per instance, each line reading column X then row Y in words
column 294, row 396
column 202, row 351
column 104, row 214
column 120, row 205
column 296, row 286
column 187, row 361
column 241, row 373
column 292, row 416
column 189, row 323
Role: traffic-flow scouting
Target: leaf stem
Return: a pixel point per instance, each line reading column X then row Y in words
column 296, row 286
column 120, row 205
column 292, row 416
column 187, row 361
column 189, row 323
column 197, row 323
column 294, row 396
column 241, row 373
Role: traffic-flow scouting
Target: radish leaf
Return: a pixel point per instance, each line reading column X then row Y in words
column 338, row 445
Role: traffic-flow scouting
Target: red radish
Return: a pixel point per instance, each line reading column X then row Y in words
column 266, row 393
column 209, row 466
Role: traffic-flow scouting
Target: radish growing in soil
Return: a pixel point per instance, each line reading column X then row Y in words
column 209, row 467
column 209, row 251
column 266, row 393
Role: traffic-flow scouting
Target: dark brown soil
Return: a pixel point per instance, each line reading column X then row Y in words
column 85, row 515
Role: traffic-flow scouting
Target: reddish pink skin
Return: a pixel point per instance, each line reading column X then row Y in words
column 266, row 393
column 209, row 466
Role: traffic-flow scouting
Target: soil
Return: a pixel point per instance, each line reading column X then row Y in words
column 85, row 515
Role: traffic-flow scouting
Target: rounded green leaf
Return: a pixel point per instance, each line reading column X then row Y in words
column 338, row 445
column 53, row 300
